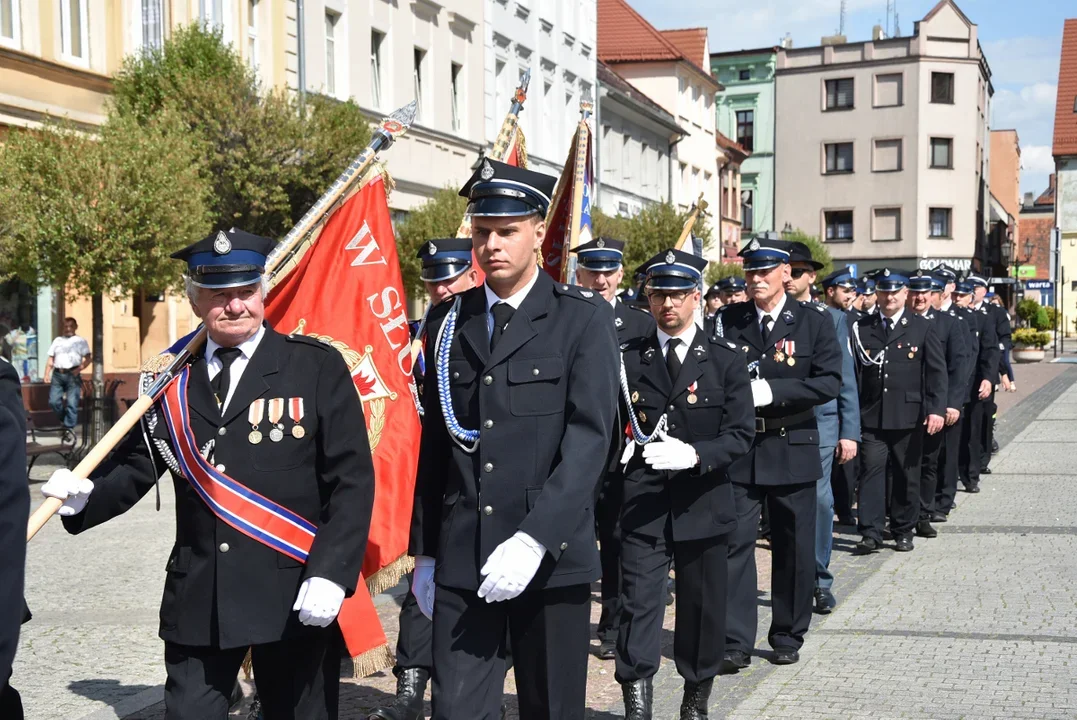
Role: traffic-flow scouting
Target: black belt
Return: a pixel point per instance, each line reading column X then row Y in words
column 766, row 424
column 64, row 371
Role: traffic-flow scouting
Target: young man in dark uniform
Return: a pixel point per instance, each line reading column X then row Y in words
column 520, row 399
column 794, row 360
column 235, row 581
column 690, row 408
column 985, row 372
column 1001, row 319
column 14, row 513
column 902, row 391
column 447, row 271
column 925, row 290
column 601, row 269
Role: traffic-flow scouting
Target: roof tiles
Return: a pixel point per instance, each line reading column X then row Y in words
column 1065, row 141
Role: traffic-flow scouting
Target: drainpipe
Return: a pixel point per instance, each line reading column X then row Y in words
column 669, row 181
column 302, row 50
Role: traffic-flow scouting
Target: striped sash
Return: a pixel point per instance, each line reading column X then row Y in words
column 250, row 513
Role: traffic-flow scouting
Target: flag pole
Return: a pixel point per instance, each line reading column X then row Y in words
column 698, row 209
column 390, row 129
column 583, row 133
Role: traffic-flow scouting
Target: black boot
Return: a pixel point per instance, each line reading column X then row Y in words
column 694, row 703
column 638, row 697
column 408, row 705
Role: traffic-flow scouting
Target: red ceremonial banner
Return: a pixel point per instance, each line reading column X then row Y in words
column 347, row 291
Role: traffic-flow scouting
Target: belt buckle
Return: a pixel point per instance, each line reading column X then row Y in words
column 760, row 424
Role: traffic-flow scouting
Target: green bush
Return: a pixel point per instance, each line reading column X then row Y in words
column 1042, row 321
column 1027, row 309
column 1052, row 317
column 720, row 271
column 1028, row 337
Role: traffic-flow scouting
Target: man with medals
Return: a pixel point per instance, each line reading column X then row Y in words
column 519, row 412
column 601, row 269
column 689, row 406
column 271, row 519
column 902, row 393
column 838, row 421
column 794, row 360
column 984, row 374
column 925, row 291
column 447, row 271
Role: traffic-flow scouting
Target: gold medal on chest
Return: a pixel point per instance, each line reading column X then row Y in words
column 779, row 357
column 635, row 396
column 792, row 361
column 255, row 436
column 255, row 413
column 692, row 399
column 298, row 432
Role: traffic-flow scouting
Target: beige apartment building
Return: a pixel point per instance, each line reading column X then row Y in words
column 881, row 146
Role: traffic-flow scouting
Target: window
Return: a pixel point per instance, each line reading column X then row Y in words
column 747, row 198
column 887, row 156
column 839, row 158
column 886, row 224
column 626, row 157
column 252, row 32
column 745, row 75
column 376, row 39
column 74, row 36
column 9, row 22
column 457, row 118
column 745, row 129
column 888, row 89
column 938, row 221
column 644, row 169
column 839, row 94
column 839, row 225
column 331, row 53
column 942, row 153
column 942, row 88
column 212, row 13
column 417, row 75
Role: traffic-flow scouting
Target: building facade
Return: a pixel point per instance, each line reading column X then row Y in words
column 1064, row 150
column 731, row 209
column 1035, row 254
column 636, row 138
column 881, row 146
column 745, row 114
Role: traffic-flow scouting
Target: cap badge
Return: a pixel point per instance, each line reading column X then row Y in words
column 433, row 249
column 222, row 245
column 600, row 243
column 670, row 258
column 754, row 245
column 587, row 293
column 886, row 273
column 487, row 171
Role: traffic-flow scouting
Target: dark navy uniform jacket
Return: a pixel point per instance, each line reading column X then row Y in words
column 14, row 513
column 787, row 454
column 709, row 406
column 983, row 326
column 955, row 348
column 222, row 588
column 544, row 402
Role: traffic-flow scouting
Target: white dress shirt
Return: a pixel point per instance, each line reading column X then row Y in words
column 514, row 301
column 946, row 307
column 760, row 312
column 687, row 336
column 246, row 350
column 894, row 320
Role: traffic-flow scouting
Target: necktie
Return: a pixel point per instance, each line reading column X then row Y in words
column 223, row 379
column 888, row 325
column 673, row 363
column 502, row 313
column 764, row 328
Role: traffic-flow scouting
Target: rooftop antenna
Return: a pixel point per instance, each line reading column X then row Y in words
column 841, row 21
column 889, row 15
column 897, row 23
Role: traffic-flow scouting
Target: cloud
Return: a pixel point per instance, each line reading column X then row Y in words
column 1037, row 160
column 1031, row 105
column 1024, row 60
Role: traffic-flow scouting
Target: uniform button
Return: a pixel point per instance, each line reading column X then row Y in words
column 534, row 371
column 224, row 547
column 488, row 467
column 220, row 468
column 222, row 431
column 488, row 510
column 488, row 379
column 670, row 407
column 672, row 427
column 488, row 424
column 456, row 376
column 564, row 546
column 885, row 389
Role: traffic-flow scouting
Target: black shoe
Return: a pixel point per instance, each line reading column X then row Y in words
column 845, row 520
column 994, row 446
column 735, row 660
column 786, row 656
column 985, row 471
column 694, row 702
column 938, row 517
column 972, row 487
column 638, row 697
column 867, row 545
column 607, row 649
column 924, row 529
column 408, row 704
column 824, row 601
column 904, row 544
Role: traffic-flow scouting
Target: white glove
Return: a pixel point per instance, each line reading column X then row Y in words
column 761, row 393
column 422, row 585
column 74, row 491
column 670, row 454
column 318, row 601
column 510, row 567
column 629, row 451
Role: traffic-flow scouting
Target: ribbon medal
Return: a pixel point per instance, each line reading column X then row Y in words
column 792, row 347
column 295, row 412
column 692, row 398
column 779, row 352
column 254, row 417
column 276, row 412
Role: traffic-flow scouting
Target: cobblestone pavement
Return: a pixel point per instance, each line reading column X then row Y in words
column 975, row 624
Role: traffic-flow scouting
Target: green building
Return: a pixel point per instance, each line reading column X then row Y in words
column 745, row 113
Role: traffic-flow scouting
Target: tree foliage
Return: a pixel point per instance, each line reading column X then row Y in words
column 720, row 271
column 652, row 230
column 438, row 217
column 267, row 162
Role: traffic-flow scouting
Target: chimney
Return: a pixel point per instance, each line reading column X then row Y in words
column 787, row 42
column 877, row 33
column 1030, row 198
column 833, row 40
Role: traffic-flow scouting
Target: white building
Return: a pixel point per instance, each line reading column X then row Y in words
column 556, row 39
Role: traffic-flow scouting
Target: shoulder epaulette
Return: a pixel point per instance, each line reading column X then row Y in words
column 722, row 343
column 578, row 292
column 307, row 340
column 817, row 307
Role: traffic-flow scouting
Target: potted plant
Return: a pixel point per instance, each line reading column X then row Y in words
column 1028, row 344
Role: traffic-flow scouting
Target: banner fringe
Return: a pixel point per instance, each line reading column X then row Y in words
column 372, row 661
column 390, row 575
column 521, row 144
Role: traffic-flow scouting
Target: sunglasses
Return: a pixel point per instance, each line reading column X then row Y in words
column 798, row 273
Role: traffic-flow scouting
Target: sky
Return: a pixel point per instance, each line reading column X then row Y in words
column 1021, row 39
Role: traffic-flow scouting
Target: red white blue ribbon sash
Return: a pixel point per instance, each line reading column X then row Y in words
column 252, row 514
